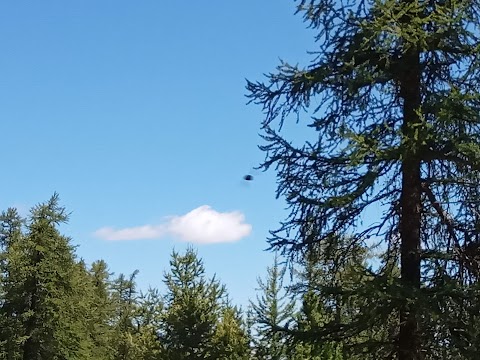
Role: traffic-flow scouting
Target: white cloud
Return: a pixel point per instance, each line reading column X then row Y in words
column 202, row 225
column 133, row 233
column 205, row 225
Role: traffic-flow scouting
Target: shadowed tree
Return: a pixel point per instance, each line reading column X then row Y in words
column 325, row 283
column 10, row 324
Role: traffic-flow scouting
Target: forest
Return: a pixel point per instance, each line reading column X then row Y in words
column 378, row 257
column 54, row 306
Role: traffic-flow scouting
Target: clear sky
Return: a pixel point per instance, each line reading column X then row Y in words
column 134, row 112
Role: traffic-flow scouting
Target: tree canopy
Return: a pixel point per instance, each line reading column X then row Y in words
column 382, row 239
column 392, row 100
column 54, row 307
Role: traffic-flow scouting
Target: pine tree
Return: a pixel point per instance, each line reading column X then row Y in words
column 147, row 323
column 43, row 293
column 271, row 311
column 10, row 324
column 392, row 93
column 125, row 301
column 324, row 284
column 86, row 306
column 198, row 323
column 123, row 322
column 231, row 341
column 102, row 309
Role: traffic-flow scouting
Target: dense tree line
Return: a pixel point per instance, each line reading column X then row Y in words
column 54, row 306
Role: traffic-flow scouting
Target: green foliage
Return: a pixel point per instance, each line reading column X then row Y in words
column 135, row 320
column 101, row 311
column 10, row 325
column 392, row 94
column 42, row 287
column 147, row 320
column 328, row 286
column 53, row 307
column 271, row 311
column 198, row 323
column 124, row 301
column 231, row 340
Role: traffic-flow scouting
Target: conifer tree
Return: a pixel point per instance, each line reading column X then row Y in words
column 231, row 340
column 44, row 296
column 10, row 325
column 125, row 301
column 101, row 327
column 394, row 106
column 198, row 323
column 272, row 310
column 322, row 270
column 147, row 320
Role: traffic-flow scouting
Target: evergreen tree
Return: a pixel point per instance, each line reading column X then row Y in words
column 393, row 95
column 198, row 323
column 317, row 308
column 43, row 292
column 86, row 306
column 324, row 284
column 125, row 301
column 272, row 310
column 123, row 323
column 10, row 324
column 147, row 321
column 231, row 340
column 102, row 308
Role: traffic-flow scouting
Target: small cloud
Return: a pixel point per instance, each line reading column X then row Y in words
column 133, row 233
column 202, row 225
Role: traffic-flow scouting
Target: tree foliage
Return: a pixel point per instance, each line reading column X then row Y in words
column 393, row 101
column 272, row 310
column 198, row 322
column 52, row 306
column 43, row 297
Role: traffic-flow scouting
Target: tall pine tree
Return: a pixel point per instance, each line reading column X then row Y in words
column 271, row 311
column 10, row 323
column 43, row 288
column 393, row 98
column 198, row 322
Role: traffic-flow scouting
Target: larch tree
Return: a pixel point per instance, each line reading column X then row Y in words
column 392, row 95
column 325, row 282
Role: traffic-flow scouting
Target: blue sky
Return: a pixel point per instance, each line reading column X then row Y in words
column 134, row 112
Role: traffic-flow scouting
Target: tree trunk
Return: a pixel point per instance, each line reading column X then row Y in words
column 409, row 347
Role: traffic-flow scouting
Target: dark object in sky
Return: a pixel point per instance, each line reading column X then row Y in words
column 248, row 177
